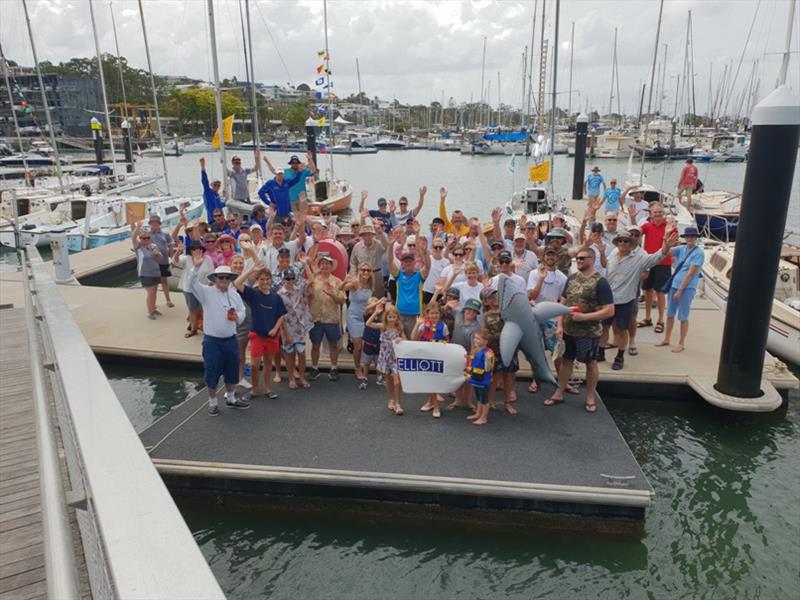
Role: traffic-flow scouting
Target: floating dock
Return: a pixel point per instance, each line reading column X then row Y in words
column 334, row 441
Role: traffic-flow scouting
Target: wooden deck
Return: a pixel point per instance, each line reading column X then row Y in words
column 22, row 573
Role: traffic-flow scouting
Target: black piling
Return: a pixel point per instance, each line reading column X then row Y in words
column 762, row 220
column 311, row 139
column 581, row 126
column 97, row 139
column 126, row 145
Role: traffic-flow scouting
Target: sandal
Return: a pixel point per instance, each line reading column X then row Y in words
column 170, row 304
column 618, row 364
column 590, row 407
column 633, row 351
column 271, row 395
column 190, row 334
column 553, row 401
column 305, row 385
column 292, row 385
column 571, row 389
column 659, row 328
column 645, row 323
column 398, row 411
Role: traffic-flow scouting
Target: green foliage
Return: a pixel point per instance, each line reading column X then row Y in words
column 296, row 116
column 197, row 106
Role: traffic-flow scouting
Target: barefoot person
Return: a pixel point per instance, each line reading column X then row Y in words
column 360, row 288
column 689, row 259
column 222, row 310
column 654, row 232
column 591, row 293
column 480, row 364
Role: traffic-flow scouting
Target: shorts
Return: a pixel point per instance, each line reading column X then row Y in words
column 369, row 359
column 623, row 313
column 264, row 346
column 582, row 349
column 192, row 303
column 149, row 281
column 294, row 347
column 220, row 358
column 165, row 272
column 480, row 394
column 320, row 330
column 657, row 277
column 408, row 322
column 549, row 334
column 426, row 298
column 499, row 367
column 682, row 306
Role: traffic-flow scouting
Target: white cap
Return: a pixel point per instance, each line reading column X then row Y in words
column 412, row 239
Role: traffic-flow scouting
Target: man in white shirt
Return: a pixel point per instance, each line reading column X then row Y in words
column 525, row 261
column 636, row 206
column 223, row 309
column 269, row 252
column 505, row 266
column 546, row 283
column 438, row 263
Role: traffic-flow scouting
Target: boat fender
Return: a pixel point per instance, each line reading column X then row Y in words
column 87, row 191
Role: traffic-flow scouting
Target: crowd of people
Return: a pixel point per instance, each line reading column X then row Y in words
column 269, row 282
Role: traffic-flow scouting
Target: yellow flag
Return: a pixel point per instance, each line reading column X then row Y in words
column 227, row 127
column 540, row 172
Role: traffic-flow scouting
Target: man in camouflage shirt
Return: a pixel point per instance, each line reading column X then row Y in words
column 590, row 293
column 506, row 374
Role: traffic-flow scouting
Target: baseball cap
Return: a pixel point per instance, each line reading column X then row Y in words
column 518, row 235
column 557, row 232
column 453, row 292
column 255, row 226
column 283, row 251
column 294, row 160
column 438, row 220
column 595, row 169
column 407, row 256
column 154, row 218
column 550, row 250
column 531, row 225
column 382, row 201
column 504, row 255
column 412, row 239
column 496, row 244
column 597, row 228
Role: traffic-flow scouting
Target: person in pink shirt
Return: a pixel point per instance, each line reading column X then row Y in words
column 687, row 182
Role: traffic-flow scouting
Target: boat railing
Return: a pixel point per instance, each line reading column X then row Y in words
column 134, row 540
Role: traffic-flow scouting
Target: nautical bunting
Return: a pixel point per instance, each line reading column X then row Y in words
column 319, row 81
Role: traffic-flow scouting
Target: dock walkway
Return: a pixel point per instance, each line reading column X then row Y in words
column 22, row 572
column 334, row 441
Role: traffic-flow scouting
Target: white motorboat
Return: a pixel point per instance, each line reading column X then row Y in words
column 394, row 142
column 198, row 147
column 784, row 326
column 171, row 148
column 613, row 145
column 352, row 147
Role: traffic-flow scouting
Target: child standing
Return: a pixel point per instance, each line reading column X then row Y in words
column 431, row 328
column 493, row 323
column 391, row 334
column 371, row 347
column 464, row 328
column 480, row 364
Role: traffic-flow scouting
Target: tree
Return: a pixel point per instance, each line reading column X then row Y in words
column 296, row 116
column 197, row 106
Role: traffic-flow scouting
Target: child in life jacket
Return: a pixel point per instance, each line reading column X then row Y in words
column 480, row 364
column 431, row 328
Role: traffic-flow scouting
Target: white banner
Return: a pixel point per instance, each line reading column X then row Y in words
column 430, row 368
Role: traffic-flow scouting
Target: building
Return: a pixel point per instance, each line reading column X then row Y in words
column 73, row 100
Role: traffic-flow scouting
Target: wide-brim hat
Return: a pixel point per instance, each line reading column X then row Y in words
column 690, row 232
column 221, row 270
column 226, row 238
column 367, row 228
column 345, row 230
column 325, row 256
column 557, row 232
column 622, row 235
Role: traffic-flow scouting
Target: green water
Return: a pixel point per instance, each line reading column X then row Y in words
column 725, row 524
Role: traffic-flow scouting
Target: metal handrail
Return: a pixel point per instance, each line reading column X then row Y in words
column 59, row 556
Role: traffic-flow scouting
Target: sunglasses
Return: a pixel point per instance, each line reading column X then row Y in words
column 237, row 162
column 624, row 241
column 292, row 278
column 459, row 254
column 231, row 220
column 581, row 258
column 144, row 237
column 326, row 213
column 224, row 277
column 217, row 215
column 438, row 247
column 411, row 245
column 404, row 204
column 505, row 261
column 611, row 220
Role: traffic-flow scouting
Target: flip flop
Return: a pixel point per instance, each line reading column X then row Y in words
column 633, row 351
column 570, row 389
column 190, row 334
column 533, row 387
column 590, row 407
column 553, row 401
column 511, row 410
column 292, row 385
column 645, row 323
column 659, row 328
column 170, row 305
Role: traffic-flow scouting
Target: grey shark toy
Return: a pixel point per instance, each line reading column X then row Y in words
column 522, row 328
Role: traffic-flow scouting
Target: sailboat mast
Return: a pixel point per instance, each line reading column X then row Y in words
column 613, row 72
column 103, row 87
column 155, row 97
column 524, row 73
column 555, row 94
column 330, row 89
column 119, row 64
column 650, row 91
column 44, row 98
column 256, row 134
column 217, row 96
column 360, row 103
column 571, row 55
column 483, row 74
column 499, row 103
column 787, row 47
column 530, row 77
column 6, row 69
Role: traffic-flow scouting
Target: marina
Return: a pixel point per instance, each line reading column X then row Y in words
column 580, row 300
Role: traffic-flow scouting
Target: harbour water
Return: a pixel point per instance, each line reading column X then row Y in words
column 725, row 524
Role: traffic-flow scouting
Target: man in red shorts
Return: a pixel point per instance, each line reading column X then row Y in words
column 267, row 310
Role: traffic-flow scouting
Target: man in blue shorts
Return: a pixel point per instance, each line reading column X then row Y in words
column 409, row 280
column 591, row 187
column 591, row 295
column 612, row 198
column 223, row 309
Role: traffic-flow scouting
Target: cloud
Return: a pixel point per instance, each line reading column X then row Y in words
column 414, row 50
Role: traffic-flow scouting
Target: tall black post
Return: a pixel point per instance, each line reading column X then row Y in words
column 581, row 126
column 762, row 219
column 311, row 138
column 97, row 139
column 126, row 145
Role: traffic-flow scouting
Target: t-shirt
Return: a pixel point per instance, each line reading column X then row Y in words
column 527, row 263
column 688, row 176
column 162, row 240
column 240, row 191
column 468, row 291
column 517, row 283
column 593, row 183
column 386, row 218
column 299, row 186
column 146, row 263
column 552, row 286
column 434, row 273
column 409, row 293
column 696, row 257
column 274, row 193
column 642, row 209
column 265, row 309
column 611, row 196
column 654, row 238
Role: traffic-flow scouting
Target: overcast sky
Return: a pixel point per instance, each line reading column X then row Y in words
column 416, row 51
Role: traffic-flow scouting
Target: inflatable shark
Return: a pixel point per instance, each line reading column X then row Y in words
column 522, row 328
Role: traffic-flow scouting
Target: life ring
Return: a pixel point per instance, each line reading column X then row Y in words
column 339, row 254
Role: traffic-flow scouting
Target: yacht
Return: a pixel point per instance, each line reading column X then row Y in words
column 197, row 146
column 613, row 145
column 393, row 142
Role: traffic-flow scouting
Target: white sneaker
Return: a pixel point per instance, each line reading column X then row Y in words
column 245, row 384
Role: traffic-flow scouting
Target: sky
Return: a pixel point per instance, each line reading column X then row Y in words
column 421, row 51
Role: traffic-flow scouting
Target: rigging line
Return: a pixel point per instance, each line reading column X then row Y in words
column 741, row 58
column 274, row 43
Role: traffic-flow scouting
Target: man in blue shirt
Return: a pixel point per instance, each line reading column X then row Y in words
column 409, row 280
column 591, row 186
column 211, row 197
column 612, row 197
column 299, row 170
column 276, row 191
